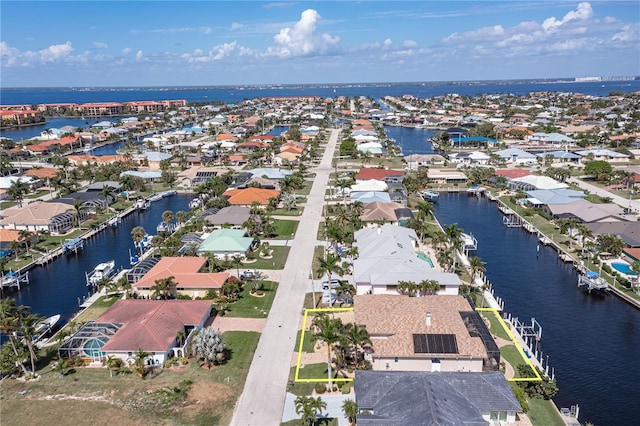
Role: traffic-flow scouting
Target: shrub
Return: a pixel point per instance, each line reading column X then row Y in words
column 320, row 388
column 345, row 389
column 521, row 396
column 334, row 388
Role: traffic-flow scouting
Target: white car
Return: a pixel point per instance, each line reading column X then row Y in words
column 335, row 283
column 248, row 274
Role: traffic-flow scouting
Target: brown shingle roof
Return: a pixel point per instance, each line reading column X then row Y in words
column 393, row 320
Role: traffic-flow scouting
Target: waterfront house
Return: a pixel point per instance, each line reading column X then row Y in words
column 469, row 158
column 544, row 197
column 629, row 231
column 422, row 398
column 54, row 217
column 384, row 175
column 369, row 185
column 386, row 256
column 226, row 243
column 446, row 176
column 273, row 174
column 517, row 156
column 152, row 159
column 189, row 273
column 376, row 212
column 587, row 212
column 369, row 197
column 533, row 182
column 430, row 333
column 129, row 325
column 560, row 157
column 550, row 139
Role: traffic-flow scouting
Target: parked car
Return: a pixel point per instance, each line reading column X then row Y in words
column 335, row 283
column 248, row 274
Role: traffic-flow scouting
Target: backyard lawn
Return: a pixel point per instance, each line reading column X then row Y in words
column 285, row 229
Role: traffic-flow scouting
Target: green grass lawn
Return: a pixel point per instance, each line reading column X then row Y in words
column 496, row 327
column 308, row 344
column 285, row 228
column 318, row 252
column 249, row 306
column 511, row 355
column 90, row 396
column 543, row 413
column 296, row 211
column 278, row 260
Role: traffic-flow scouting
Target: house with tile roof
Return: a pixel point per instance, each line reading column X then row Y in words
column 248, row 196
column 226, row 243
column 385, row 175
column 385, row 212
column 54, row 217
column 132, row 324
column 426, row 333
column 395, row 398
column 189, row 273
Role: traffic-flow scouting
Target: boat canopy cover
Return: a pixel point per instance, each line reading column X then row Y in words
column 592, row 274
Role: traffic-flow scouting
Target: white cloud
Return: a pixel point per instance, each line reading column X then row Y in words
column 100, row 45
column 301, row 39
column 582, row 13
column 410, row 43
column 628, row 33
column 126, row 51
column 482, row 34
column 236, row 26
column 610, row 20
column 139, row 55
column 387, row 42
column 55, row 52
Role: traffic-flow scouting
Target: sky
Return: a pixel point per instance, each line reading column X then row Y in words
column 192, row 43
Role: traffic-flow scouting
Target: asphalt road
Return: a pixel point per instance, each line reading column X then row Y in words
column 262, row 400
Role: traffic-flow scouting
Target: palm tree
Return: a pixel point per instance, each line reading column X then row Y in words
column 329, row 331
column 408, row 288
column 345, row 290
column 350, row 409
column 425, row 209
column 24, row 236
column 78, row 209
column 113, row 363
column 109, row 193
column 428, row 287
column 329, row 265
column 308, row 408
column 584, row 232
column 438, row 238
column 236, row 260
column 139, row 363
column 167, row 217
column 476, row 265
column 17, row 190
column 164, row 288
column 138, row 233
column 180, row 336
column 28, row 325
column 356, row 336
column 10, row 315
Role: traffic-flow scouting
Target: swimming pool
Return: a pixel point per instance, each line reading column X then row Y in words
column 92, row 348
column 424, row 257
column 623, row 268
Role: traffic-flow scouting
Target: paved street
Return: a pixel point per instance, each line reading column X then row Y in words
column 621, row 201
column 263, row 397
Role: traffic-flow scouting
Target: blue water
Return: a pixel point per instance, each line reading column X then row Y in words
column 623, row 267
column 29, row 132
column 593, row 343
column 411, row 139
column 16, row 96
column 57, row 287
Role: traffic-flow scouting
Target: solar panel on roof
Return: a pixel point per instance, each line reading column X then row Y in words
column 435, row 344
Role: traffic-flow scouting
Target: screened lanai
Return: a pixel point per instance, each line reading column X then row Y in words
column 139, row 271
column 87, row 342
column 61, row 222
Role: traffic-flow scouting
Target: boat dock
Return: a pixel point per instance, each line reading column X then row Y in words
column 14, row 280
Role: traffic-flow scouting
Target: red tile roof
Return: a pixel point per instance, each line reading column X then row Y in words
column 249, row 195
column 378, row 174
column 513, row 173
column 152, row 324
column 185, row 271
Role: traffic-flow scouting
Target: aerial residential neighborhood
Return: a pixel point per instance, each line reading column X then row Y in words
column 305, row 272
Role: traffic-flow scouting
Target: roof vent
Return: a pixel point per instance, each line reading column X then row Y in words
column 427, row 319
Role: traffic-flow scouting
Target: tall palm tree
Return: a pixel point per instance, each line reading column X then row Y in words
column 167, row 217
column 17, row 190
column 428, row 287
column 24, row 236
column 28, row 330
column 236, row 260
column 329, row 331
column 345, row 290
column 10, row 315
column 425, row 209
column 476, row 266
column 357, row 337
column 162, row 287
column 350, row 409
column 584, row 232
column 138, row 233
column 329, row 265
column 308, row 408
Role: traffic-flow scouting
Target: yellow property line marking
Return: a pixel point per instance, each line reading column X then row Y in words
column 304, row 328
column 518, row 346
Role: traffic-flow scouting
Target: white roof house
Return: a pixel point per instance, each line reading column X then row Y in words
column 602, row 154
column 386, row 256
column 516, row 155
column 533, row 182
column 370, row 185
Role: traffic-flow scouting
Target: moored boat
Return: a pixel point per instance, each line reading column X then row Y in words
column 170, row 193
column 45, row 326
column 156, row 197
column 592, row 282
column 72, row 245
column 102, row 271
column 430, row 195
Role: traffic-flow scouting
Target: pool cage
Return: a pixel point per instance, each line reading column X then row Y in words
column 138, row 271
column 87, row 342
column 477, row 328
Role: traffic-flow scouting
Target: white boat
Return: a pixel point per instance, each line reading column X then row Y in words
column 469, row 242
column 590, row 280
column 164, row 227
column 195, row 203
column 88, row 147
column 430, row 195
column 114, row 221
column 156, row 197
column 169, row 193
column 10, row 279
column 142, row 204
column 102, row 271
column 45, row 326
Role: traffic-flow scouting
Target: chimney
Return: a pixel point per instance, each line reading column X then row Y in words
column 427, row 319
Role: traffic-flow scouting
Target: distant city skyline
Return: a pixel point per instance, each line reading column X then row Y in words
column 171, row 43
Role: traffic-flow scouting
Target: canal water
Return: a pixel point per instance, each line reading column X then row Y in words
column 593, row 343
column 57, row 287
